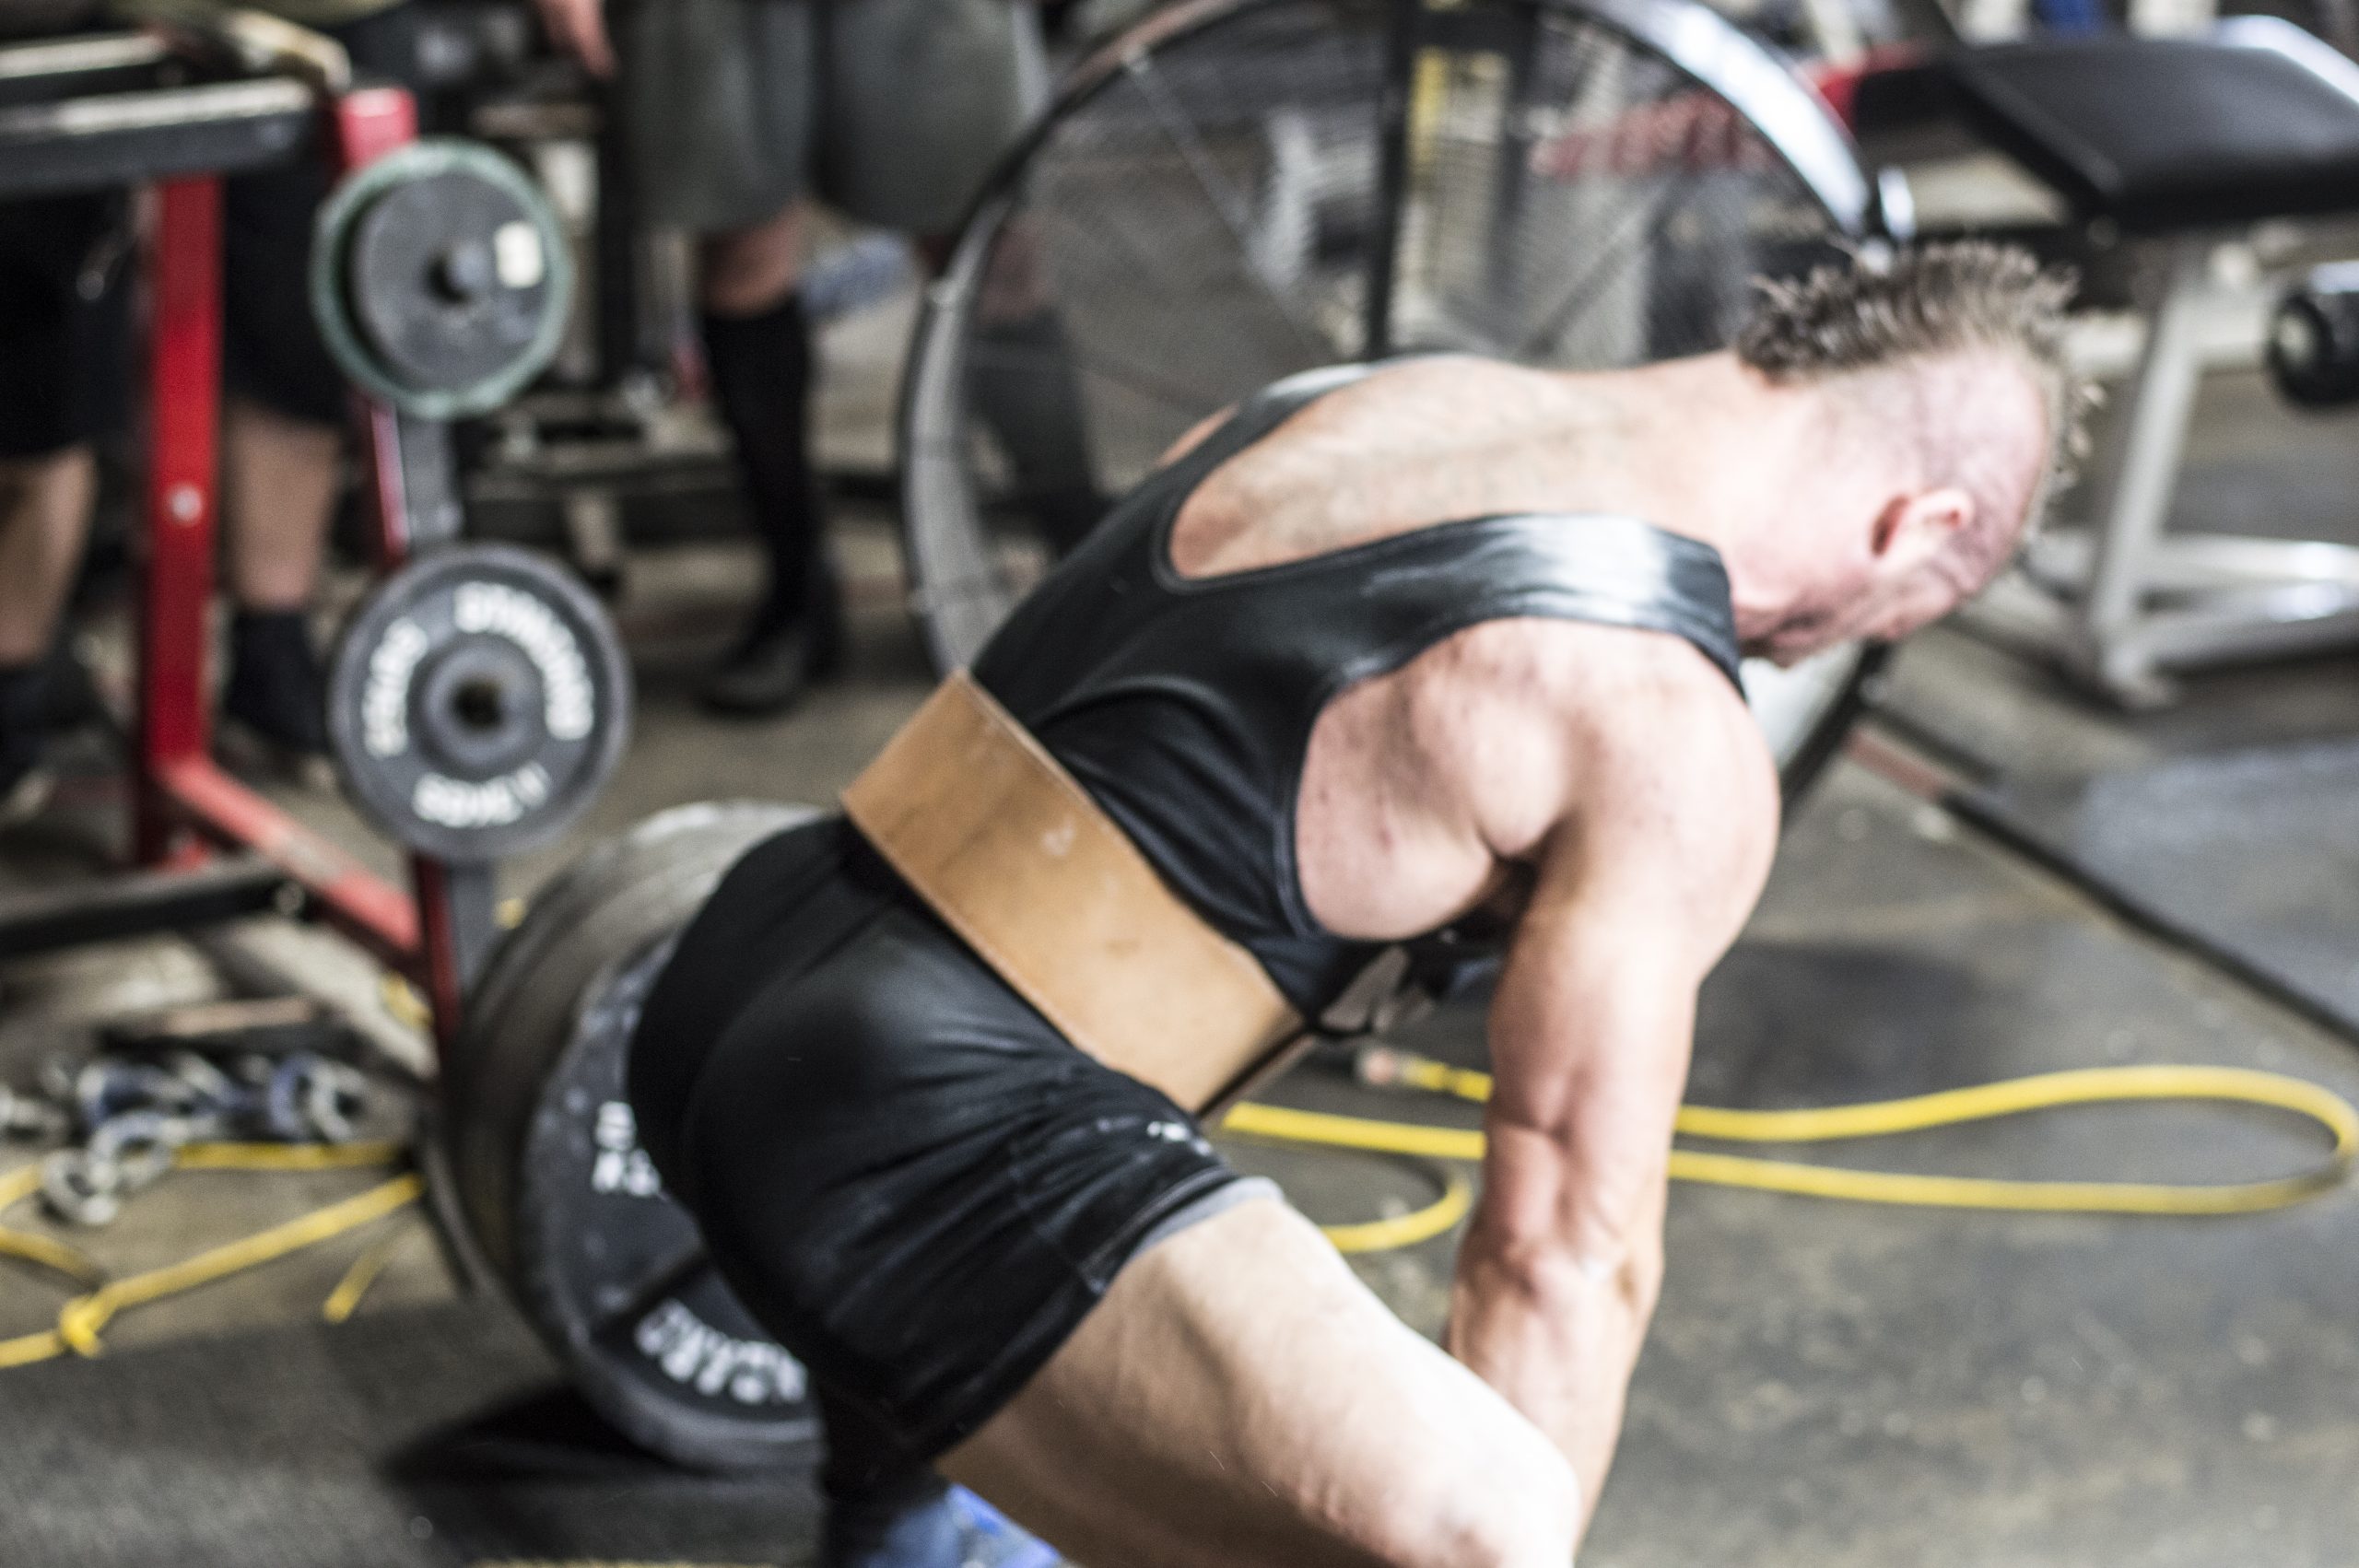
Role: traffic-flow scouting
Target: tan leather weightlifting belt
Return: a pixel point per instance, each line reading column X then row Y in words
column 1016, row 857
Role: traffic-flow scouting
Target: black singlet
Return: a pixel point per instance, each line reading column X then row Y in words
column 1185, row 705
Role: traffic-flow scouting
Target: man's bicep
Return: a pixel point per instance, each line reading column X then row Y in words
column 1594, row 1017
column 1590, row 1034
column 1628, row 911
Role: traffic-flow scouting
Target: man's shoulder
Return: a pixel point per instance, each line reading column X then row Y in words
column 1642, row 728
column 1662, row 738
column 1618, row 686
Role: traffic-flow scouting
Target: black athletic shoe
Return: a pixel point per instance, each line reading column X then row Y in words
column 766, row 672
column 778, row 658
column 24, row 782
column 276, row 700
column 73, row 701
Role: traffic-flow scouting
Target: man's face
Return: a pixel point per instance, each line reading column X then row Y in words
column 1925, row 552
column 1921, row 562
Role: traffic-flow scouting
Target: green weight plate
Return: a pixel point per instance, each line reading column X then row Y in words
column 441, row 279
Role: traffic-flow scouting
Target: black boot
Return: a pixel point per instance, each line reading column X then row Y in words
column 276, row 692
column 782, row 652
column 24, row 702
column 72, row 701
column 761, row 380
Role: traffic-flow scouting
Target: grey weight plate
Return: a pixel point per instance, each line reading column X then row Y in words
column 666, row 841
column 508, row 1078
column 479, row 698
column 615, row 1274
column 447, row 281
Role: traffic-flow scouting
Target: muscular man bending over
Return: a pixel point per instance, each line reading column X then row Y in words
column 1378, row 651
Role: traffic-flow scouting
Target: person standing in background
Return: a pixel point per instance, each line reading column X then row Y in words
column 735, row 112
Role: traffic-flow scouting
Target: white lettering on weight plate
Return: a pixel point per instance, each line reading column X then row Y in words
column 384, row 694
column 570, row 700
column 693, row 1352
column 622, row 1165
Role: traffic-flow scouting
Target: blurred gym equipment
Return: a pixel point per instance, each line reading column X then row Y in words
column 1236, row 189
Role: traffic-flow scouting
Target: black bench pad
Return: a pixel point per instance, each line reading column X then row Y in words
column 2259, row 120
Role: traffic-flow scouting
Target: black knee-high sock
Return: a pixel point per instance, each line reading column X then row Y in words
column 761, row 377
column 24, row 694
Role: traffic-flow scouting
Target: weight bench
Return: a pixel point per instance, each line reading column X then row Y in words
column 2181, row 144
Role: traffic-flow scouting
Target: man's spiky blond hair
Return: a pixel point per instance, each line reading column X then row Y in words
column 1927, row 303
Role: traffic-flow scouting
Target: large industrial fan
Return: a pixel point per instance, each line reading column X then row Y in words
column 1236, row 190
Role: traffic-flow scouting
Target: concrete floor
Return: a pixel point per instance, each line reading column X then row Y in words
column 1825, row 1386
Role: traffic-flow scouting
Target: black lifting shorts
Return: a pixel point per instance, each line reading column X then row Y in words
column 905, row 1174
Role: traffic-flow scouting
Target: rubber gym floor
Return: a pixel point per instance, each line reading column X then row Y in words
column 1826, row 1384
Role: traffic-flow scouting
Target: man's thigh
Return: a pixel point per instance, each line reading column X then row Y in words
column 65, row 271
column 1239, row 1398
column 919, row 98
column 272, row 352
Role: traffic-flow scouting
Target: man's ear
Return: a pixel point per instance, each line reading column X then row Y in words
column 1914, row 529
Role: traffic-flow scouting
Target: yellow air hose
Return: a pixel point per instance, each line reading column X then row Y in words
column 2085, row 1087
column 81, row 1319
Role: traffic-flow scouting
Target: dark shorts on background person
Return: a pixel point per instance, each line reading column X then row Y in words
column 64, row 308
column 271, row 350
column 904, row 1172
column 892, row 111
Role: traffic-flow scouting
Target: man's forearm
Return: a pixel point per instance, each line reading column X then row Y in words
column 1557, row 1337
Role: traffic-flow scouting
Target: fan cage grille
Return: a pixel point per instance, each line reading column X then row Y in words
column 1206, row 220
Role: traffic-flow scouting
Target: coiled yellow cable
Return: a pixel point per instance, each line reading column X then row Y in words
column 1395, row 1232
column 1951, row 1108
column 80, row 1320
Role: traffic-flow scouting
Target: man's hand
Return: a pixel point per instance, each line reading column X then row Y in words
column 578, row 27
column 1641, row 886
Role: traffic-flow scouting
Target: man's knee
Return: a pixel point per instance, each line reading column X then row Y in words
column 1510, row 1505
column 750, row 272
column 33, row 471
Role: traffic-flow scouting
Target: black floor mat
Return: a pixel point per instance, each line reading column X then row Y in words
column 419, row 1439
column 2253, row 855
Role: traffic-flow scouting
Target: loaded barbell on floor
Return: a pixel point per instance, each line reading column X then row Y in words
column 545, row 1162
column 543, row 1156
